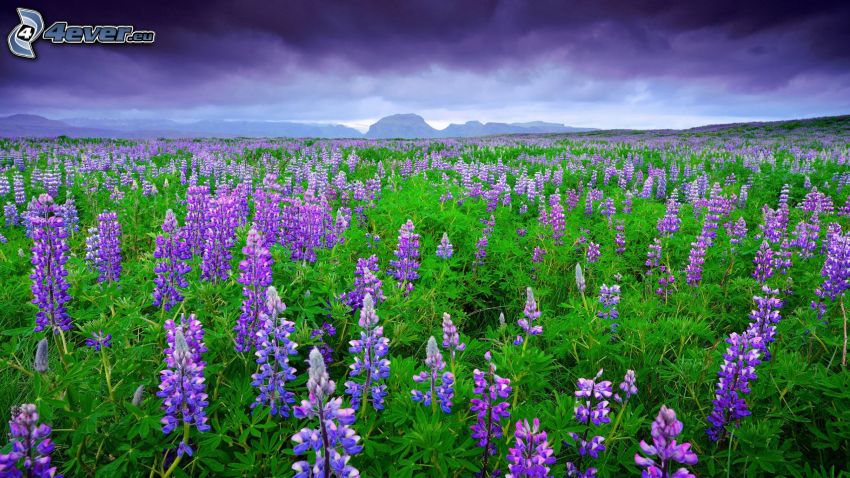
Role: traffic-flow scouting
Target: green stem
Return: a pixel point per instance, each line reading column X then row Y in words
column 108, row 373
column 729, row 454
column 170, row 470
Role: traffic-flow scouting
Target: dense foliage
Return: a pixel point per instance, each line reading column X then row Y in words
column 585, row 305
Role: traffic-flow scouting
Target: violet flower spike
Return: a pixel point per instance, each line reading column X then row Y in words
column 183, row 389
column 255, row 277
column 490, row 407
column 31, row 446
column 274, row 348
column 370, row 360
column 665, row 449
column 443, row 389
column 531, row 455
column 333, row 442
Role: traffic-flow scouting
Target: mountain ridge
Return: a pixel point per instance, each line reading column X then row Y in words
column 406, row 126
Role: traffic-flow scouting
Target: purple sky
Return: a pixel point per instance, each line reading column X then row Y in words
column 624, row 63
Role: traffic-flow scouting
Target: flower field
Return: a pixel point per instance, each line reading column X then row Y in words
column 597, row 304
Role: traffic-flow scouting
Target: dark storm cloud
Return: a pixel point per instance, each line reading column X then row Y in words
column 221, row 52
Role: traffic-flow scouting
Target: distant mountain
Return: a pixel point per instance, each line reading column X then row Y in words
column 414, row 126
column 33, row 125
column 402, row 126
column 225, row 128
column 395, row 126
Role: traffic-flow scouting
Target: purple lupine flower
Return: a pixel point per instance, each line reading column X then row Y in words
column 49, row 255
column 555, row 218
column 591, row 410
column 445, row 250
column 308, row 225
column 481, row 250
column 69, row 213
column 219, row 238
column 451, row 339
column 267, row 215
column 628, row 386
column 537, row 255
column 18, row 186
column 182, row 389
column 326, row 330
column 487, row 429
column 763, row 320
column 197, row 218
column 370, row 360
column 670, row 223
column 609, row 297
column 653, row 256
column 104, row 247
column 406, row 265
column 763, row 262
column 733, row 384
column 607, row 209
column 531, row 313
column 10, row 214
column 620, row 237
column 665, row 449
column 737, row 231
column 696, row 259
column 98, row 341
column 531, row 455
column 835, row 273
column 31, row 446
column 592, row 254
column 444, row 391
column 365, row 282
column 255, row 276
column 172, row 268
column 665, row 282
column 333, row 442
column 273, row 350
column 806, row 235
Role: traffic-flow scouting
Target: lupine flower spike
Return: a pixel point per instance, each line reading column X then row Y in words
column 183, row 390
column 665, row 450
column 489, row 390
column 591, row 410
column 273, row 351
column 531, row 455
column 370, row 360
column 333, row 442
column 444, row 391
column 31, row 446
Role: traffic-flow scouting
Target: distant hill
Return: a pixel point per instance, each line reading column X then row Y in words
column 395, row 126
column 402, row 126
column 414, row 126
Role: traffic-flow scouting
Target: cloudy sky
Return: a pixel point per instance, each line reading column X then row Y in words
column 600, row 63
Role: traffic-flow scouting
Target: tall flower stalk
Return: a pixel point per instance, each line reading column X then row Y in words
column 31, row 446
column 490, row 407
column 592, row 410
column 172, row 252
column 274, row 348
column 531, row 455
column 442, row 390
column 405, row 267
column 49, row 255
column 182, row 387
column 255, row 276
column 333, row 441
column 370, row 360
column 665, row 451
